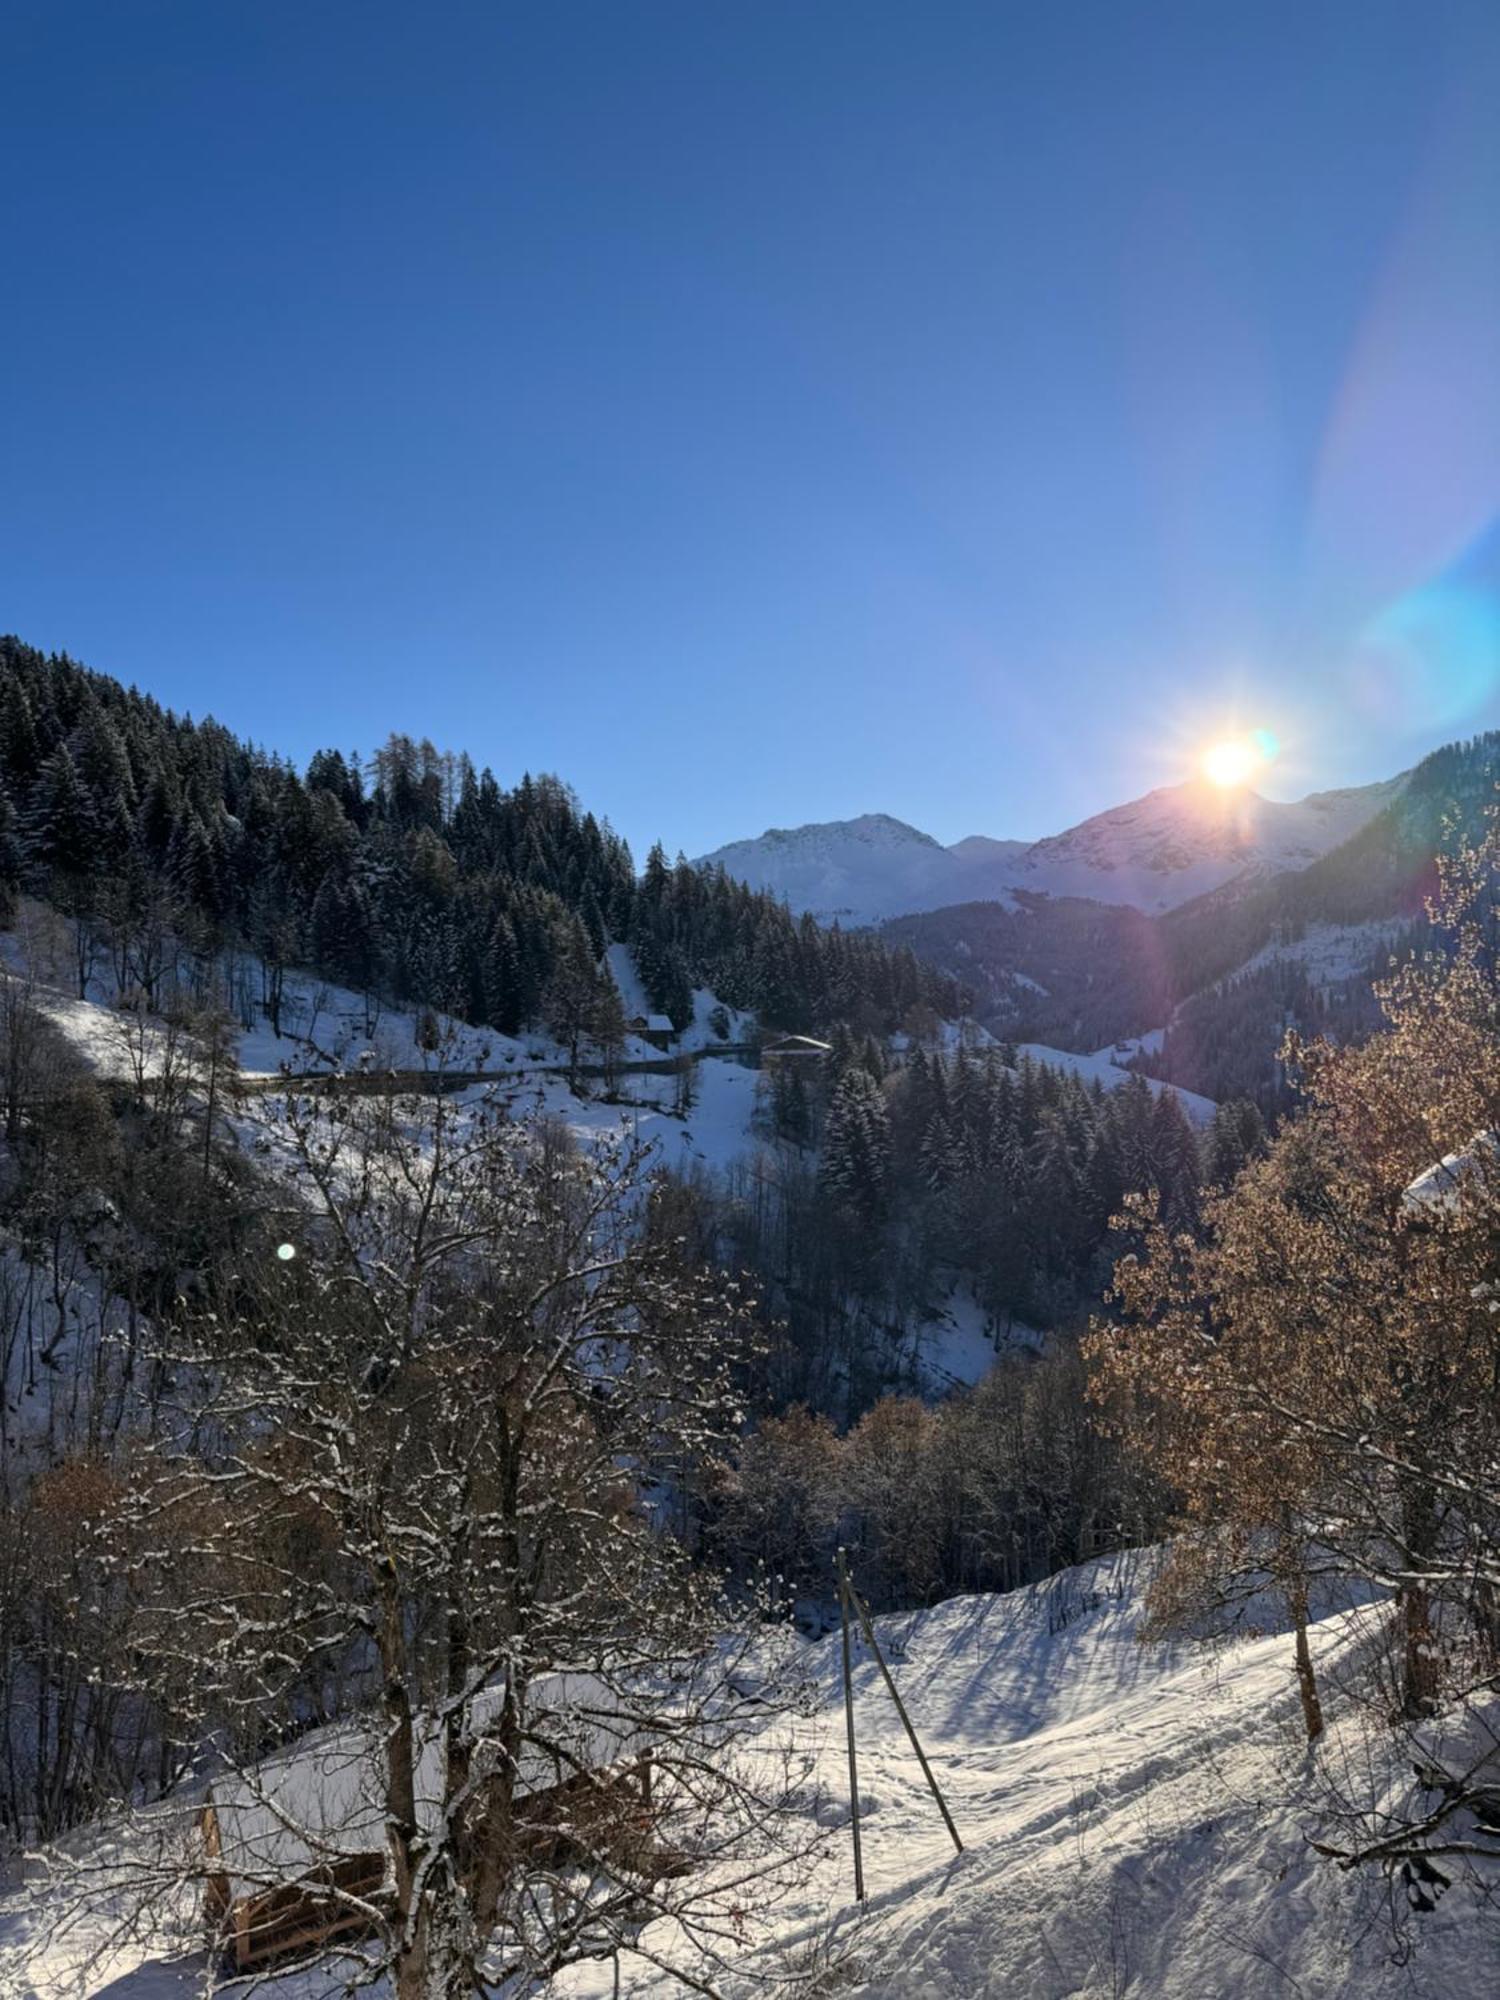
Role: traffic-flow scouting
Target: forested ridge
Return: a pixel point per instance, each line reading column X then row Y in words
column 410, row 872
column 906, row 1176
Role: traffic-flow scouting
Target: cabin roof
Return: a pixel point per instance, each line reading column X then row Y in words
column 319, row 1800
column 1442, row 1186
column 797, row 1045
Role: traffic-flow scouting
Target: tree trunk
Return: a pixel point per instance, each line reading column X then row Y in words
column 1419, row 1661
column 1292, row 1569
column 439, row 1961
column 1419, row 1654
column 1307, row 1685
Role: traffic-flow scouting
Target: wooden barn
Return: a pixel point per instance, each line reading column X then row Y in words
column 796, row 1051
column 294, row 1851
column 656, row 1029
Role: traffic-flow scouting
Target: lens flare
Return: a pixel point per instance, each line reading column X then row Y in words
column 1431, row 660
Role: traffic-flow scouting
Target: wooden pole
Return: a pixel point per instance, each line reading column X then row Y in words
column 859, row 1867
column 869, row 1629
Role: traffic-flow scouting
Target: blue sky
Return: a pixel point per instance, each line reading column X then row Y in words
column 762, row 413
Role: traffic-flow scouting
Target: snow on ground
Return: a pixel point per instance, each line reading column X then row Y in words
column 712, row 1133
column 1149, row 1044
column 700, row 1032
column 1135, row 1820
column 633, row 995
column 1331, row 953
column 320, row 1025
column 1107, row 1066
column 957, row 1345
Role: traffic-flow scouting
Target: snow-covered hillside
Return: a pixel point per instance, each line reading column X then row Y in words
column 1153, row 853
column 1109, row 1067
column 1136, row 1820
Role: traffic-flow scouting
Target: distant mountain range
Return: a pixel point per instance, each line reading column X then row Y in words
column 1283, row 942
column 1153, row 854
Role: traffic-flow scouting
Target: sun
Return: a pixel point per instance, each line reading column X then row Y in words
column 1232, row 762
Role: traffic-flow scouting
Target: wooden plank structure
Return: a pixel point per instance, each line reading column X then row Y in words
column 295, row 1853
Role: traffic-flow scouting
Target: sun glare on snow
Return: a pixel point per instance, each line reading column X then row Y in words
column 1237, row 759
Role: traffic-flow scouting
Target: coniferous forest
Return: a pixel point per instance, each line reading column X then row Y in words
column 416, row 876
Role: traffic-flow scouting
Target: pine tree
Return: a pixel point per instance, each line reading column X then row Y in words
column 60, row 832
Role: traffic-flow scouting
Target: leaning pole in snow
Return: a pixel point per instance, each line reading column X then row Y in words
column 932, row 1783
column 849, row 1598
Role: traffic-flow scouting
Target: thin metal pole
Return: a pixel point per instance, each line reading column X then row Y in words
column 864, row 1619
column 859, row 1866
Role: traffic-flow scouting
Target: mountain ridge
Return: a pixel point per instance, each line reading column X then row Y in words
column 1155, row 853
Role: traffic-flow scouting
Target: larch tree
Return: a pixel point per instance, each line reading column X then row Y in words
column 1324, row 1355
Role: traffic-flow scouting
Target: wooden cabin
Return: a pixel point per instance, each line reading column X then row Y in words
column 656, row 1029
column 798, row 1050
column 294, row 1851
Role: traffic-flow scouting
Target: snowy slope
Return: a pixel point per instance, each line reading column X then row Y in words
column 1329, row 953
column 1135, row 1821
column 1134, row 1817
column 1107, row 1066
column 1155, row 853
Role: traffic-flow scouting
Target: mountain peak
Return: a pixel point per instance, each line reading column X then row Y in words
column 1165, row 848
column 868, row 829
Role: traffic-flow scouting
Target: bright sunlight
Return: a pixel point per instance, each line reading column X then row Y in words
column 1235, row 760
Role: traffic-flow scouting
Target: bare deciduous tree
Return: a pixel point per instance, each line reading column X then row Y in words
column 418, row 1480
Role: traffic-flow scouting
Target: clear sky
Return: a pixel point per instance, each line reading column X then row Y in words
column 760, row 413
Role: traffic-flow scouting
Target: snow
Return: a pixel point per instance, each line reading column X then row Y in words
column 1441, row 1188
column 1330, row 953
column 633, row 996
column 858, row 871
column 700, row 1032
column 1156, row 852
column 957, row 1345
column 1107, row 1067
column 1183, row 841
column 1135, row 1820
column 325, row 1026
column 1149, row 1044
column 714, row 1133
column 316, row 1800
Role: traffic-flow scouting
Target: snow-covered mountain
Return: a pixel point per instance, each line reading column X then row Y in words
column 1154, row 853
column 1184, row 840
column 860, row 870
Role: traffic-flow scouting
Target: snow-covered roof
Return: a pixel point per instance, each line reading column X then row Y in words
column 1442, row 1185
column 797, row 1045
column 320, row 1800
column 659, row 1024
